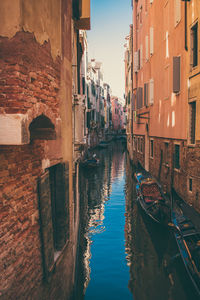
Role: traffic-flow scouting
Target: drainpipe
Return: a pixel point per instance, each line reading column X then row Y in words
column 186, row 46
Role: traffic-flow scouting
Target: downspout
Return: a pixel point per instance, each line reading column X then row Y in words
column 186, row 45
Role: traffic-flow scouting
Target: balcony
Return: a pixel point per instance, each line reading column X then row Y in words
column 84, row 20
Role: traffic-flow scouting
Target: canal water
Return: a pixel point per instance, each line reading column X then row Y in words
column 122, row 254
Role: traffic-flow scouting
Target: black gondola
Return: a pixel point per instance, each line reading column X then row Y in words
column 151, row 199
column 90, row 163
column 188, row 241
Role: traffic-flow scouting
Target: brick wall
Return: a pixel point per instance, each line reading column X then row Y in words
column 28, row 75
column 20, row 239
column 29, row 83
column 189, row 166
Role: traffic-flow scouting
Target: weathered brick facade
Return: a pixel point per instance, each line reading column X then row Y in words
column 36, row 95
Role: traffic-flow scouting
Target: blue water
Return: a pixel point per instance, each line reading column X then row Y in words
column 122, row 254
column 109, row 273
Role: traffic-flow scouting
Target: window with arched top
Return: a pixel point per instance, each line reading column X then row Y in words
column 42, row 128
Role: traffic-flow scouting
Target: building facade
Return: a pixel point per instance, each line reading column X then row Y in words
column 39, row 208
column 165, row 127
column 118, row 115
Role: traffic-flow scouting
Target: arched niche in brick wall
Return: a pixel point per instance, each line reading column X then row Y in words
column 39, row 122
column 42, row 128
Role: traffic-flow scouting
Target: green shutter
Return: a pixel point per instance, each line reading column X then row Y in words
column 62, row 205
column 46, row 222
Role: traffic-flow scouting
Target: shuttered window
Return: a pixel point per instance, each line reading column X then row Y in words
column 151, row 148
column 177, row 157
column 192, row 120
column 146, row 94
column 194, row 45
column 166, row 153
column 176, row 74
column 46, row 223
column 53, row 192
column 139, row 97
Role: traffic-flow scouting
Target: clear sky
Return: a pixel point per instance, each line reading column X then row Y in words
column 110, row 20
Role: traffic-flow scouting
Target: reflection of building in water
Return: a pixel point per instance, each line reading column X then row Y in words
column 149, row 248
column 118, row 162
column 98, row 189
column 86, row 262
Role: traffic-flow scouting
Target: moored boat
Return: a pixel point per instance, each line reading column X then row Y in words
column 151, row 199
column 188, row 241
column 103, row 144
column 90, row 162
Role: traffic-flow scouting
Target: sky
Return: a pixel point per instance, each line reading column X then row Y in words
column 110, row 20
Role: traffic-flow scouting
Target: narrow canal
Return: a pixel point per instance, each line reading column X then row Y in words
column 122, row 255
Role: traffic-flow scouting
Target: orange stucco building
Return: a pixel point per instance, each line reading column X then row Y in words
column 165, row 136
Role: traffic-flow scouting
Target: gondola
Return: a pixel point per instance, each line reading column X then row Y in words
column 103, row 144
column 151, row 199
column 188, row 241
column 90, row 163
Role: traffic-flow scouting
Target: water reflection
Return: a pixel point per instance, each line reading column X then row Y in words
column 103, row 268
column 153, row 274
column 122, row 255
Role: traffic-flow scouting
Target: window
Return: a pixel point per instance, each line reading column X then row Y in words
column 194, row 45
column 192, row 122
column 177, row 157
column 190, row 184
column 53, row 194
column 146, row 94
column 138, row 145
column 166, row 153
column 151, row 148
column 176, row 74
column 141, row 145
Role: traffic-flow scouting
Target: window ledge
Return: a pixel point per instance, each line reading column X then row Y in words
column 177, row 170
